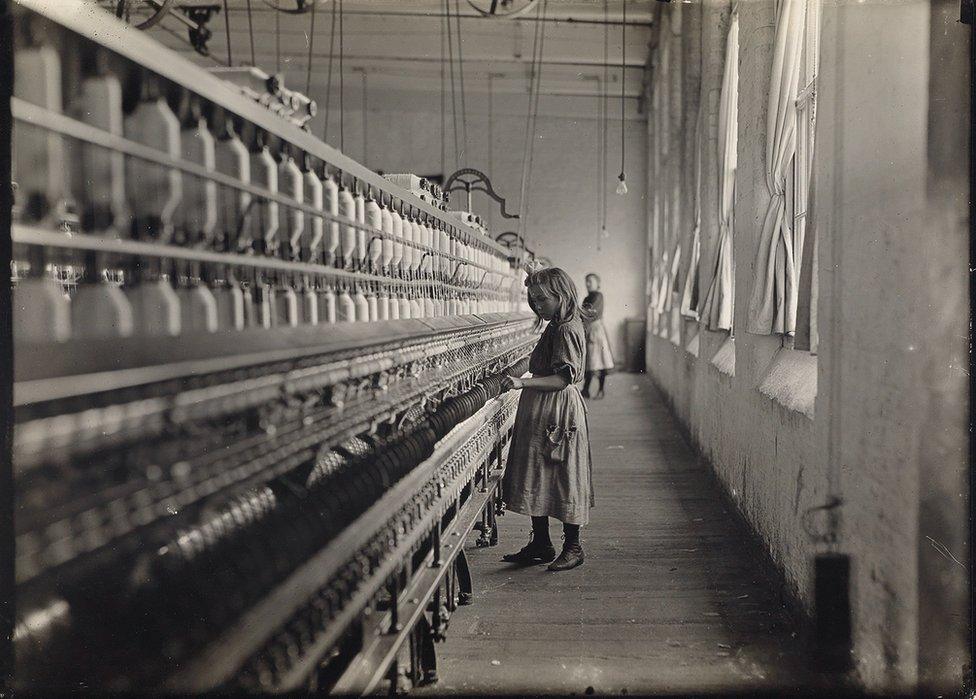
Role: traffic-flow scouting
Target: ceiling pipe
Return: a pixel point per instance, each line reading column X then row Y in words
column 615, row 18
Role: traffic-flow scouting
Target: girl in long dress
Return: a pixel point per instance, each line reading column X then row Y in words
column 599, row 356
column 549, row 470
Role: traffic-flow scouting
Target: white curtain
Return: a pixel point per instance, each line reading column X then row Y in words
column 674, row 293
column 663, row 291
column 718, row 309
column 672, row 276
column 772, row 306
column 661, row 281
column 813, row 20
column 690, row 294
column 652, row 294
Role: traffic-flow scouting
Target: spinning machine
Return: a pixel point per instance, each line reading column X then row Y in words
column 256, row 394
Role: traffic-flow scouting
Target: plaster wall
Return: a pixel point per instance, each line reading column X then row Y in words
column 404, row 135
column 887, row 435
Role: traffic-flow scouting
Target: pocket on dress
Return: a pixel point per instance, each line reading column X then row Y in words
column 557, row 442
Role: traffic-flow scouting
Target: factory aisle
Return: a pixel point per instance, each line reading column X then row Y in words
column 669, row 599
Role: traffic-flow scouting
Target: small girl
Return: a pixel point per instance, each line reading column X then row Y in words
column 549, row 470
column 599, row 356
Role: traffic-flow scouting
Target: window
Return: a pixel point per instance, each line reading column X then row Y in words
column 800, row 204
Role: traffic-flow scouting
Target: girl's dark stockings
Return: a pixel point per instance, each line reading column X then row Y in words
column 540, row 531
column 572, row 533
column 588, row 379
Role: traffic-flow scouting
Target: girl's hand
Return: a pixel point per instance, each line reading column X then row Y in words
column 510, row 383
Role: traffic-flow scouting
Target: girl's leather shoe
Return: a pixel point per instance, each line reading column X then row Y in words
column 571, row 557
column 531, row 554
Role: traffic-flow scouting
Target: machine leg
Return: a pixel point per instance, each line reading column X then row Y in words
column 393, row 675
column 394, row 590
column 427, row 653
column 414, row 672
column 439, row 614
column 450, row 589
column 493, row 522
column 465, row 589
column 486, row 527
column 436, row 546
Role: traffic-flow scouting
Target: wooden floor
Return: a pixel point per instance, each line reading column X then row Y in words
column 668, row 601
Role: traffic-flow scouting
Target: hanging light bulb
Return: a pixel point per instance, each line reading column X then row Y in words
column 604, row 233
column 622, row 185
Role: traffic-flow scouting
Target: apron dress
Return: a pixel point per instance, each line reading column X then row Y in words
column 599, row 356
column 549, row 465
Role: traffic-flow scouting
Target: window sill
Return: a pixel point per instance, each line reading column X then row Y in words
column 791, row 381
column 724, row 359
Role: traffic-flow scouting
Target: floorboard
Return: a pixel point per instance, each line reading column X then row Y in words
column 668, row 601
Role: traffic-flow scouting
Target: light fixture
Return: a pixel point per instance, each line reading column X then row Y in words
column 622, row 186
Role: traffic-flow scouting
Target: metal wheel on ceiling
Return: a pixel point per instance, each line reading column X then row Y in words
column 143, row 14
column 149, row 14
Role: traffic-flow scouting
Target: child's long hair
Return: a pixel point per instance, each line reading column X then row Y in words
column 559, row 284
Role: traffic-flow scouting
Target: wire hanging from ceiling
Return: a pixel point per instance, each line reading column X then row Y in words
column 604, row 124
column 538, row 45
column 622, row 187
column 601, row 170
column 277, row 42
column 311, row 43
column 528, row 124
column 460, row 53
column 365, row 123
column 250, row 32
column 535, row 116
column 450, row 56
column 443, row 105
column 230, row 59
column 600, row 126
column 342, row 84
column 491, row 125
column 328, row 83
